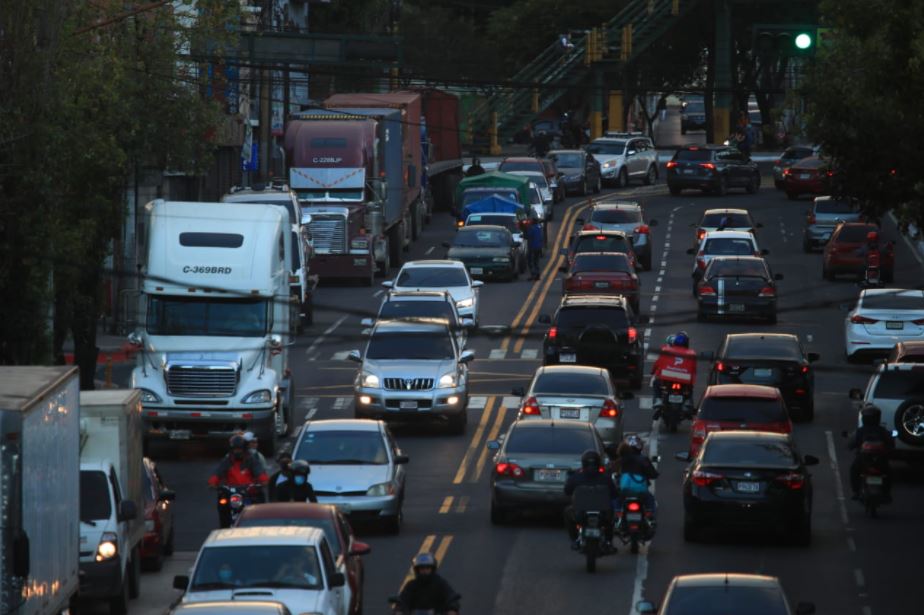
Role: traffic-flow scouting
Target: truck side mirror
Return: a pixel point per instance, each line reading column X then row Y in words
column 134, row 338
column 355, row 356
column 337, row 580
column 127, row 511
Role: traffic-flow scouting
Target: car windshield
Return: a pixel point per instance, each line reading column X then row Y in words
column 585, row 263
column 697, row 600
column 94, row 496
column 693, row 155
column 471, row 196
column 607, row 148
column 397, row 309
column 549, row 441
column 432, row 277
column 729, row 246
column 322, row 523
column 342, row 447
column 757, row 452
column 480, row 238
column 895, row 300
column 168, row 315
column 900, row 384
column 854, row 233
column 602, row 243
column 833, row 206
column 714, row 220
column 571, row 161
column 519, row 165
column 508, row 222
column 569, row 383
column 617, row 216
column 736, row 267
column 763, row 347
column 742, row 410
column 410, row 346
column 583, row 316
column 270, row 566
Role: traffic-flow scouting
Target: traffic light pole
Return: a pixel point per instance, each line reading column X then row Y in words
column 721, row 112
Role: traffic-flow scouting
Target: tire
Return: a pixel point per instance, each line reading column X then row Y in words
column 690, row 529
column 721, row 188
column 584, row 189
column 168, row 546
column 646, row 264
column 499, row 516
column 415, row 221
column 778, row 184
column 674, row 190
column 386, row 265
column 521, row 267
column 909, row 421
column 870, row 507
column 291, row 424
column 598, row 187
column 807, row 414
column 154, row 564
column 753, row 185
column 772, row 318
column 392, row 524
column 591, row 560
column 134, row 577
column 888, row 276
column 633, row 546
column 623, row 180
column 651, row 175
column 457, row 423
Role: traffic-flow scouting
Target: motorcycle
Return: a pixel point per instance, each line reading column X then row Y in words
column 676, row 404
column 234, row 498
column 872, row 276
column 393, row 607
column 872, row 476
column 634, row 526
column 592, row 508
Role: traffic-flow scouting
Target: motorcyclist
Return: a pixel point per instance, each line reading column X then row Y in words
column 636, row 471
column 871, row 430
column 676, row 363
column 284, row 459
column 254, row 446
column 295, row 487
column 237, row 469
column 592, row 473
column 427, row 590
column 475, row 169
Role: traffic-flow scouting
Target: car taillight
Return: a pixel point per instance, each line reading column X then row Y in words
column 553, row 333
column 223, row 501
column 787, row 172
column 805, row 369
column 778, row 162
column 634, row 507
column 792, row 480
column 531, row 407
column 810, row 219
column 643, row 229
column 633, row 335
column 671, row 164
column 610, row 410
column 704, row 478
column 830, row 173
column 720, row 367
column 701, row 260
column 509, row 469
column 676, row 386
column 767, row 291
column 706, row 291
column 600, row 237
column 698, row 431
column 862, row 320
column 919, row 322
column 707, row 165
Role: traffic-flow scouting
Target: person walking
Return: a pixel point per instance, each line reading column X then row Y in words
column 533, row 246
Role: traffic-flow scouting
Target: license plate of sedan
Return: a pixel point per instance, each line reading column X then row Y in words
column 735, row 307
column 550, row 476
column 569, row 413
column 601, row 284
column 763, row 372
column 477, row 270
column 745, row 486
column 895, row 324
column 408, row 405
column 873, row 480
column 591, row 532
column 180, row 434
column 804, row 175
column 688, row 171
column 633, row 516
column 675, row 399
column 567, row 357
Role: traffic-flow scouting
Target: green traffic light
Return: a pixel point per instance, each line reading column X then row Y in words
column 803, row 40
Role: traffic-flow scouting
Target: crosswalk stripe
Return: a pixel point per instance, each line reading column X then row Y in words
column 477, row 402
column 511, row 401
column 340, row 356
column 644, row 403
column 529, row 353
column 497, row 353
column 341, row 403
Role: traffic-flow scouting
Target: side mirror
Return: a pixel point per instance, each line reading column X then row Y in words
column 167, row 495
column 493, row 445
column 127, row 511
column 466, row 356
column 625, row 395
column 855, row 394
column 360, row 548
column 134, row 338
column 446, row 244
column 645, row 607
column 813, row 356
column 545, row 319
column 656, row 459
column 518, row 391
column 691, row 251
column 682, row 456
column 367, row 322
column 805, row 608
column 401, row 459
column 477, row 284
column 181, row 582
column 274, row 341
column 764, row 252
column 467, row 323
column 388, row 284
column 653, row 222
column 631, row 152
column 355, row 356
column 777, row 276
column 810, row 460
column 337, row 580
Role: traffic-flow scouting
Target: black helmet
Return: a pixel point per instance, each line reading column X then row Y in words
column 870, row 415
column 424, row 560
column 237, row 441
column 300, row 466
column 591, row 459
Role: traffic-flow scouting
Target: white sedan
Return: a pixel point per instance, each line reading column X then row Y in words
column 882, row 318
column 451, row 276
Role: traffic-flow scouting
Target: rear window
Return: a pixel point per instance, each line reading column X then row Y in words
column 570, row 383
column 601, row 262
column 731, row 220
column 735, row 267
column 211, row 240
column 569, row 161
column 901, row 300
column 854, row 234
column 797, row 153
column 900, row 384
column 471, row 196
column 742, row 410
column 616, row 216
column 810, row 163
column 694, row 155
column 94, row 496
column 771, row 348
column 602, row 243
column 750, row 600
column 275, row 566
column 475, row 237
column 750, row 452
column 611, row 148
column 432, row 277
column 729, row 246
column 831, row 206
column 579, row 317
column 550, row 441
column 506, row 167
column 694, row 107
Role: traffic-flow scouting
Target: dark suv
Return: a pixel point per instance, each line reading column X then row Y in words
column 712, row 168
column 771, row 359
column 598, row 330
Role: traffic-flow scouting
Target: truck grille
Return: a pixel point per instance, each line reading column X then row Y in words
column 408, row 384
column 185, row 381
column 328, row 233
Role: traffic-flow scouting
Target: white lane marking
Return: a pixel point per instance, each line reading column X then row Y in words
column 653, row 308
column 309, row 405
column 664, row 264
column 430, row 249
column 641, row 561
column 851, row 544
column 647, row 332
column 341, row 403
column 658, row 287
column 340, row 356
column 378, row 293
column 914, row 251
column 660, row 279
column 858, row 577
column 644, row 403
column 497, row 353
column 510, row 401
column 809, row 338
column 667, row 244
column 838, row 486
column 654, row 298
column 317, row 342
column 661, row 273
column 529, row 353
column 477, row 402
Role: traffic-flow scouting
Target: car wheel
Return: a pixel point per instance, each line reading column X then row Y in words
column 909, row 421
column 646, row 263
column 521, row 268
column 651, row 175
column 674, row 190
column 168, row 545
column 772, row 318
column 778, row 184
column 154, row 564
column 623, row 179
column 134, row 574
column 753, row 185
column 691, row 530
column 499, row 516
column 393, row 524
column 721, row 189
column 584, row 188
column 888, row 276
column 118, row 605
column 807, row 412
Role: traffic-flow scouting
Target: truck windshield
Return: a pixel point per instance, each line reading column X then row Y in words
column 200, row 316
column 94, row 496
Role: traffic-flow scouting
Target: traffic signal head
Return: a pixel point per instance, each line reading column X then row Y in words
column 804, row 41
column 783, row 40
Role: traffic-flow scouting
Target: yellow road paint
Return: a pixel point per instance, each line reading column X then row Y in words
column 473, row 445
column 425, row 547
column 462, row 504
column 441, row 550
column 492, row 435
column 447, row 505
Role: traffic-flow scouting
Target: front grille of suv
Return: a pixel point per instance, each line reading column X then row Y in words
column 408, row 384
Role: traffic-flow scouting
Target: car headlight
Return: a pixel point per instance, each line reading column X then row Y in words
column 382, row 489
column 150, row 397
column 370, row 380
column 258, row 397
column 501, row 259
column 108, row 547
column 448, row 381
column 465, row 303
column 609, row 164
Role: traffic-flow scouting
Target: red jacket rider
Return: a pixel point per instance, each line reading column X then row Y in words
column 676, row 361
column 238, row 468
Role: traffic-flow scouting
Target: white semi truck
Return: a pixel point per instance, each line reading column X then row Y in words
column 215, row 322
column 39, row 481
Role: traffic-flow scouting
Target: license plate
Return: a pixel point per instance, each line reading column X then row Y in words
column 591, row 532
column 675, row 399
column 761, row 372
column 569, row 413
column 804, row 175
column 895, row 324
column 873, row 480
column 633, row 516
column 408, row 405
column 688, row 171
column 180, row 434
column 477, row 270
column 747, row 486
column 735, row 307
column 359, row 262
column 567, row 357
column 601, row 284
column 549, row 476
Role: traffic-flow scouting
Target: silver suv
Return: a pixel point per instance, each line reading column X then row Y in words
column 413, row 371
column 625, row 216
column 625, row 156
column 826, row 213
column 898, row 390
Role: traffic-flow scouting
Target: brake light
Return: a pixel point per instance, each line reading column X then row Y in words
column 862, row 320
column 223, row 501
column 720, row 367
column 805, row 369
column 700, row 234
column 671, row 164
column 701, row 260
column 787, row 172
column 599, row 237
column 704, row 478
column 706, row 291
column 610, row 410
column 509, row 469
column 707, row 165
column 553, row 333
column 792, row 480
column 590, row 227
column 919, row 322
column 698, row 431
column 531, row 407
column 830, row 173
column 634, row 507
column 633, row 335
column 767, row 291
column 643, row 229
column 810, row 219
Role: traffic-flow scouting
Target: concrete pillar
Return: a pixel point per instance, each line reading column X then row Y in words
column 722, row 112
column 615, row 111
column 596, row 114
column 495, row 148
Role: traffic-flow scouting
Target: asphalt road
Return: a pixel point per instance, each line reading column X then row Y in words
column 854, row 565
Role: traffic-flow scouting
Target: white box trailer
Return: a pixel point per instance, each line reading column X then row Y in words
column 39, row 481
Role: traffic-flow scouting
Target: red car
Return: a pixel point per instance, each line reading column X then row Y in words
column 748, row 407
column 842, row 252
column 602, row 273
column 339, row 533
column 810, row 175
column 158, row 517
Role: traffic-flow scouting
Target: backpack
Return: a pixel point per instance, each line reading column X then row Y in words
column 632, row 483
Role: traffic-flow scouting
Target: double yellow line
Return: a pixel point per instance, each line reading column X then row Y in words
column 474, row 460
